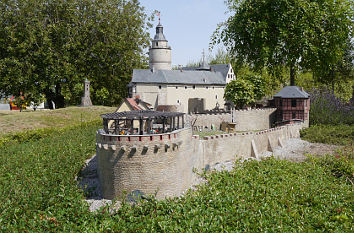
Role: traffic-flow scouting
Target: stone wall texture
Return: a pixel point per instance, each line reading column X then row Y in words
column 164, row 164
column 246, row 120
column 254, row 119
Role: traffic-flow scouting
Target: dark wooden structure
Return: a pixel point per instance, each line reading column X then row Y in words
column 293, row 105
column 142, row 122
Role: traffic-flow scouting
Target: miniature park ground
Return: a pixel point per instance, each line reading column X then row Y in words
column 16, row 121
column 39, row 192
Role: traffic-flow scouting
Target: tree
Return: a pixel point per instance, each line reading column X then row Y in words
column 50, row 47
column 258, row 85
column 240, row 92
column 277, row 33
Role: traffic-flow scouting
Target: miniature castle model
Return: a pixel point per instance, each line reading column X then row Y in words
column 150, row 152
column 155, row 152
column 192, row 89
column 86, row 100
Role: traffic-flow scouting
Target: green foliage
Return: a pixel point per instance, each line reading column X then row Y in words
column 240, row 92
column 102, row 95
column 330, row 134
column 298, row 34
column 327, row 109
column 245, row 90
column 258, row 85
column 39, row 193
column 269, row 196
column 37, row 183
column 49, row 47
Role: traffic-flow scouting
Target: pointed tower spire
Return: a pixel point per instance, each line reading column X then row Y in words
column 204, row 65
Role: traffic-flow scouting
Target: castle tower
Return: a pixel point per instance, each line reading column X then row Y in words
column 160, row 51
column 86, row 100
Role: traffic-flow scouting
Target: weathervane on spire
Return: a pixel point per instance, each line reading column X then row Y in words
column 158, row 13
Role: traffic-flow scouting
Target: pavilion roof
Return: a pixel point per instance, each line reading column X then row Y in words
column 144, row 114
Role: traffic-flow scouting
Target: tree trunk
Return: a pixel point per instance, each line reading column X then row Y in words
column 292, row 75
column 49, row 95
column 59, row 98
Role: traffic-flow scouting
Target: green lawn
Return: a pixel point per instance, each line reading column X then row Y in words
column 38, row 193
column 15, row 121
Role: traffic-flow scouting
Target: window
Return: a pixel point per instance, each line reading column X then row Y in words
column 176, row 87
column 207, row 87
column 157, row 43
column 178, row 101
column 294, row 115
column 193, row 86
column 160, row 87
column 213, row 87
column 293, row 103
column 185, row 87
column 216, row 97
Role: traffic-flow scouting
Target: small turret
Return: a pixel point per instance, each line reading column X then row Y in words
column 204, row 65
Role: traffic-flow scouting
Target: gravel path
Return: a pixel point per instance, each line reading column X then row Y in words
column 293, row 149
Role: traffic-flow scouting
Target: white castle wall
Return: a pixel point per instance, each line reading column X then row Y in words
column 246, row 120
column 163, row 164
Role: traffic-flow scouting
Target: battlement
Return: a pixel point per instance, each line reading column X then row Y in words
column 164, row 163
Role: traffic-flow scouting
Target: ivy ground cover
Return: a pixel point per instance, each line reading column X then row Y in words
column 38, row 193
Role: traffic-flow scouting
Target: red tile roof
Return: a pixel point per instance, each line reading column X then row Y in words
column 133, row 104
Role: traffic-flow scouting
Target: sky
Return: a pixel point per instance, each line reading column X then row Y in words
column 188, row 25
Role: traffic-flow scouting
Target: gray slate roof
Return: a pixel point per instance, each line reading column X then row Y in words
column 159, row 33
column 292, row 92
column 178, row 77
column 222, row 68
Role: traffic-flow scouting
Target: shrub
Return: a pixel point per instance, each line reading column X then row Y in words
column 39, row 193
column 337, row 134
column 245, row 90
column 326, row 108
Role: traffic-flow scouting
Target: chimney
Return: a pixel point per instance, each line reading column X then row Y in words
column 137, row 99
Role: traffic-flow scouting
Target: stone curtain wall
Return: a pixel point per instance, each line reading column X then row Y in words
column 246, row 120
column 254, row 119
column 163, row 164
column 204, row 121
column 226, row 147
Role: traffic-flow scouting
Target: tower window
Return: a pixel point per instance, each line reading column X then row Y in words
column 293, row 103
column 160, row 87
